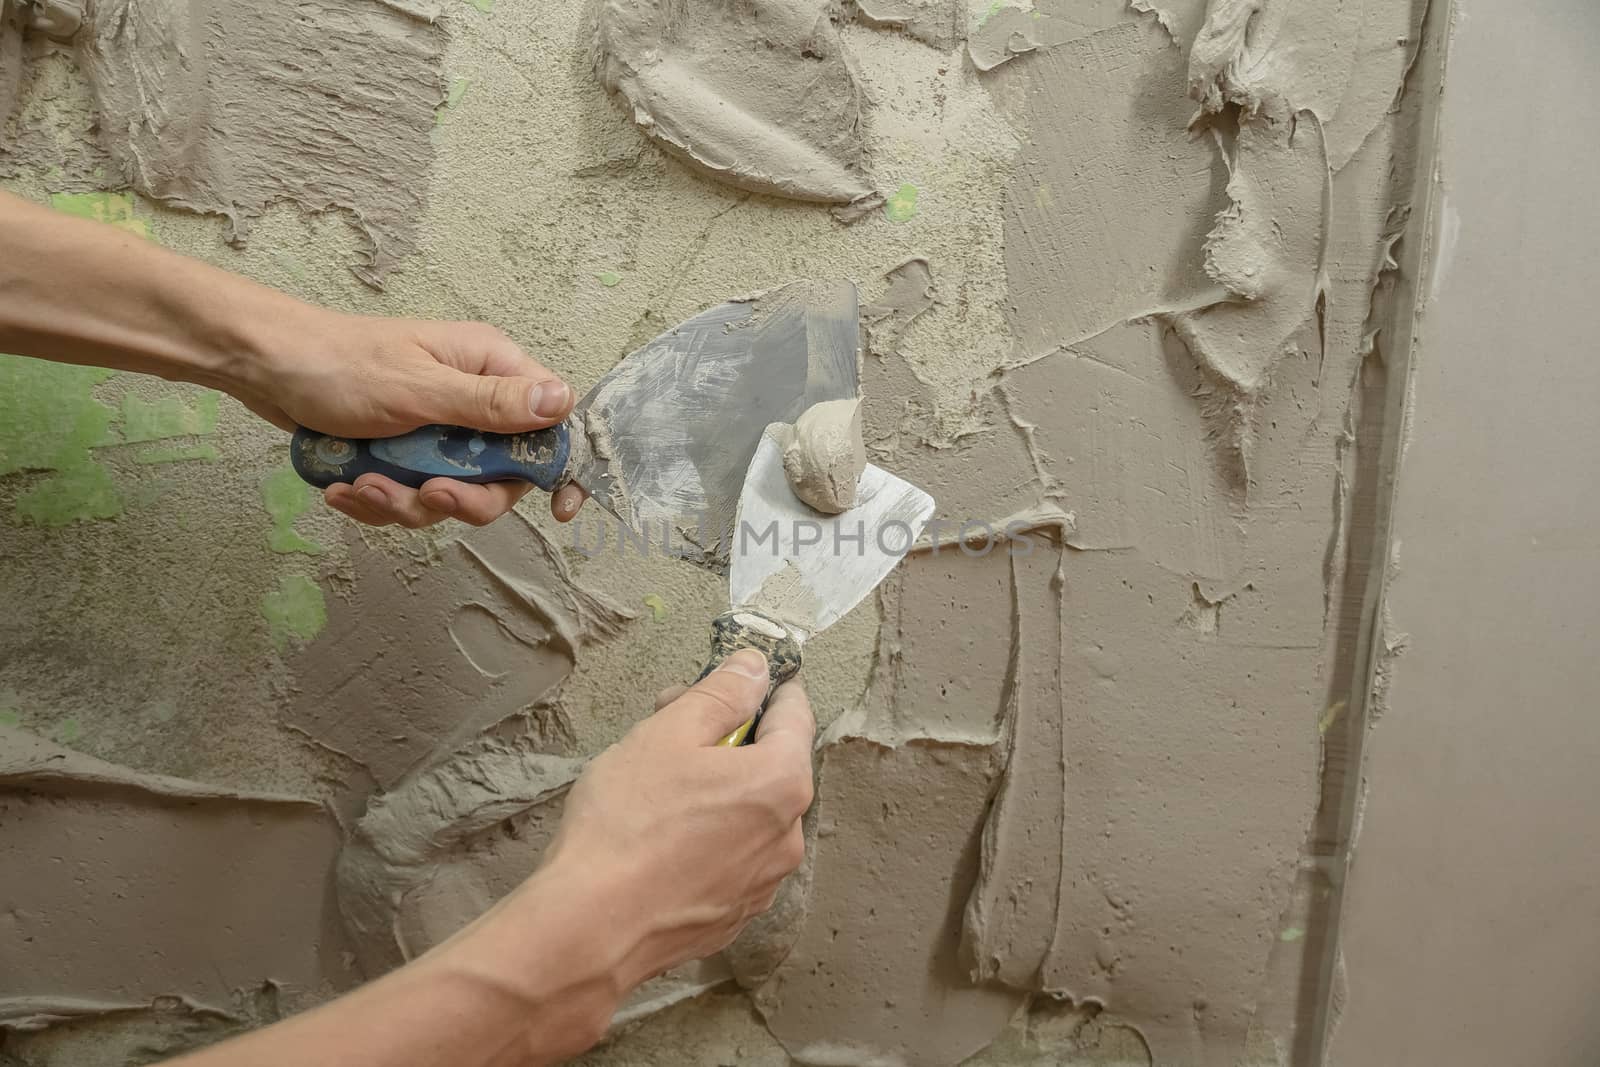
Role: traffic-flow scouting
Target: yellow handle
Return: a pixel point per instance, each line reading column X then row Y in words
column 735, row 739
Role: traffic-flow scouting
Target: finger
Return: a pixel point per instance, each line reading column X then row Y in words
column 395, row 502
column 565, row 502
column 669, row 694
column 342, row 497
column 491, row 402
column 720, row 701
column 788, row 720
column 478, row 348
column 523, row 394
column 477, row 505
column 787, row 734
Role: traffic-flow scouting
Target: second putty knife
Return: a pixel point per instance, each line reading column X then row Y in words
column 793, row 571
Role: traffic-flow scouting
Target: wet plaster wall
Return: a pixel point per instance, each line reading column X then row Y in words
column 1127, row 272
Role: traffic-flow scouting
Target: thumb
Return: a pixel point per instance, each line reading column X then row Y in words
column 495, row 403
column 789, row 722
column 720, row 702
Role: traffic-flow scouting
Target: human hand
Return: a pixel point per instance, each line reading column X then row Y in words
column 683, row 841
column 360, row 376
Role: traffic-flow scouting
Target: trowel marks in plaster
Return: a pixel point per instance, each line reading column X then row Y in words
column 1344, row 63
column 486, row 630
column 1009, row 30
column 909, row 291
column 435, row 853
column 874, row 974
column 759, row 94
column 939, row 23
column 432, row 856
column 1106, row 217
column 1161, row 897
column 127, row 887
column 1183, row 738
column 224, row 108
column 1118, row 433
column 1167, row 850
column 1309, row 82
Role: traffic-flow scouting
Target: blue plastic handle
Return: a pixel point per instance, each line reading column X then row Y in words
column 456, row 452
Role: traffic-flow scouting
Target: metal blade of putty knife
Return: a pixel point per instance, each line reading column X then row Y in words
column 664, row 439
column 795, row 571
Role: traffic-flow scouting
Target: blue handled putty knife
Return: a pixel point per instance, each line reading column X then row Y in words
column 662, row 441
column 795, row 571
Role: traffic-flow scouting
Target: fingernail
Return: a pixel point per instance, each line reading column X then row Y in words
column 748, row 662
column 439, row 500
column 568, row 506
column 548, row 399
column 374, row 496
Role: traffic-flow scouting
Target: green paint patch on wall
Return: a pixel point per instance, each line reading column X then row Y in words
column 608, row 278
column 76, row 494
column 50, row 421
column 68, row 731
column 453, row 95
column 10, row 717
column 657, row 606
column 115, row 209
column 286, row 498
column 168, row 416
column 296, row 608
column 49, row 418
column 485, row 6
column 902, row 204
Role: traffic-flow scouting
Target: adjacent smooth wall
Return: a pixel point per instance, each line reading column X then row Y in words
column 1469, row 932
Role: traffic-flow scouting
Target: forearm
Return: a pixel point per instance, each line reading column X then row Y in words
column 532, row 982
column 78, row 291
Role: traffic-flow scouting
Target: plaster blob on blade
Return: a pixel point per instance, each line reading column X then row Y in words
column 806, row 569
column 824, row 455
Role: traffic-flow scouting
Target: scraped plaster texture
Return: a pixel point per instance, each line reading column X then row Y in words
column 1117, row 302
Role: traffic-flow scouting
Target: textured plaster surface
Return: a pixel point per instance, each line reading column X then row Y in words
column 1118, row 311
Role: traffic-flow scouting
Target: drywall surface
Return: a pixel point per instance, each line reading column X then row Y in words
column 1477, row 843
column 1126, row 270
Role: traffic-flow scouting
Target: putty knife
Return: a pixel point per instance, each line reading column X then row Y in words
column 666, row 436
column 794, row 571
